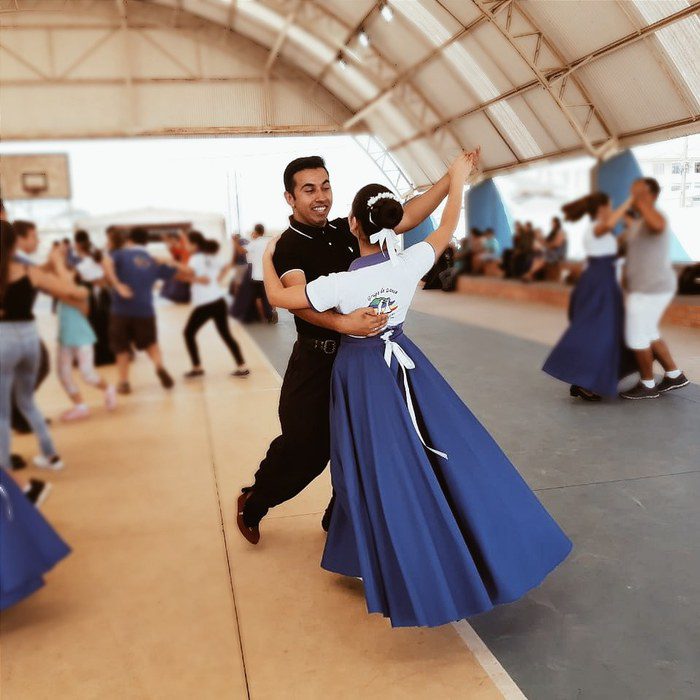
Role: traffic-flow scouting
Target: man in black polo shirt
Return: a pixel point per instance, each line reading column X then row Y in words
column 313, row 246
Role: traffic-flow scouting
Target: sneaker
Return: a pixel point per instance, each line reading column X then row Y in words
column 165, row 379
column 123, row 388
column 75, row 413
column 668, row 384
column 17, row 462
column 54, row 462
column 37, row 491
column 641, row 392
column 194, row 373
column 240, row 373
column 111, row 397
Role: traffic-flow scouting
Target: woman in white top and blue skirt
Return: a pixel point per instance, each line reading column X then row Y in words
column 590, row 355
column 429, row 511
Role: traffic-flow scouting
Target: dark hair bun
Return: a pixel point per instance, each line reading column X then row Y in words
column 386, row 213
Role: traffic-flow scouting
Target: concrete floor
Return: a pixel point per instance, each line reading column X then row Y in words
column 161, row 598
column 619, row 620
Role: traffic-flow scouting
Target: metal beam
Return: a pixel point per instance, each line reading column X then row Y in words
column 561, row 72
column 352, row 33
column 532, row 63
column 93, row 82
column 353, row 30
column 649, row 40
column 285, row 130
column 407, row 74
column 279, row 41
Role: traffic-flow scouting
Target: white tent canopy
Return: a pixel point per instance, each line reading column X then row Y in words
column 527, row 79
column 211, row 225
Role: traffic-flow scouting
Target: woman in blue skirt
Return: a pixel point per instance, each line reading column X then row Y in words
column 29, row 546
column 429, row 511
column 589, row 356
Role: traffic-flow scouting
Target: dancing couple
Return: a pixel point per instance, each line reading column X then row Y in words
column 606, row 339
column 428, row 511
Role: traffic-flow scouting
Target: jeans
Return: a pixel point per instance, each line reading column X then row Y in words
column 20, row 356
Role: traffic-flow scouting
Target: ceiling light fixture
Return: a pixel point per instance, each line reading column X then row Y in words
column 386, row 12
column 363, row 38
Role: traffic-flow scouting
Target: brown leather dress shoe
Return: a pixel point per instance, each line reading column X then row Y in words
column 252, row 534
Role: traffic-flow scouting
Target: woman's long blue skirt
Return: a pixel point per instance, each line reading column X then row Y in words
column 433, row 540
column 590, row 353
column 29, row 546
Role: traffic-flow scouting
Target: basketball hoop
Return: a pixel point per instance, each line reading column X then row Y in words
column 35, row 184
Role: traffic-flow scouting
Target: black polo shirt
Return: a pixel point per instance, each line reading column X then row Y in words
column 316, row 252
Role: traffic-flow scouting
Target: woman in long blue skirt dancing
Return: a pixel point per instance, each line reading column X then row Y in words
column 429, row 512
column 590, row 355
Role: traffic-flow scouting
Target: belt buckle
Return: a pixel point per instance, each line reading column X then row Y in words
column 329, row 346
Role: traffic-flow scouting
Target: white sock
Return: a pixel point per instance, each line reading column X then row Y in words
column 673, row 374
column 648, row 383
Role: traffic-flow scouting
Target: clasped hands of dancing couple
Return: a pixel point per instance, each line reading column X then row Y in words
column 439, row 526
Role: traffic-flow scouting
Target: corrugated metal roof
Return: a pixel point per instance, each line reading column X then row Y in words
column 527, row 79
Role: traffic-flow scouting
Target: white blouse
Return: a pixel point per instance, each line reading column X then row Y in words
column 598, row 246
column 387, row 287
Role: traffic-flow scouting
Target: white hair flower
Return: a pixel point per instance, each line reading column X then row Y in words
column 382, row 195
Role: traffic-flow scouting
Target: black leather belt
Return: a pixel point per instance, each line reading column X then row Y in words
column 327, row 347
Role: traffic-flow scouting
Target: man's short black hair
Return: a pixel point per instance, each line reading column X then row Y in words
column 22, row 228
column 299, row 164
column 139, row 235
column 653, row 185
column 259, row 228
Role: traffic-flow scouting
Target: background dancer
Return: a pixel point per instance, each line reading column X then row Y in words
column 20, row 353
column 209, row 303
column 132, row 272
column 589, row 355
column 651, row 285
column 76, row 345
column 313, row 246
column 430, row 513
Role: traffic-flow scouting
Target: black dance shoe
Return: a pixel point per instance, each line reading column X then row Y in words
column 252, row 534
column 581, row 393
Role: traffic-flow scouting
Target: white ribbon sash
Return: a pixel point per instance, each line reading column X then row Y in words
column 389, row 240
column 406, row 363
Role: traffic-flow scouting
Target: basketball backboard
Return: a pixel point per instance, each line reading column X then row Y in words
column 34, row 176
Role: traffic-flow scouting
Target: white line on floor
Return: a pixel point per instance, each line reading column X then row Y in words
column 488, row 661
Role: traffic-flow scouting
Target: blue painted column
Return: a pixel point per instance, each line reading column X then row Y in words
column 615, row 177
column 485, row 209
column 419, row 233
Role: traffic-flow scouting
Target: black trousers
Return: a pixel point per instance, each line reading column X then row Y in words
column 19, row 423
column 296, row 457
column 216, row 311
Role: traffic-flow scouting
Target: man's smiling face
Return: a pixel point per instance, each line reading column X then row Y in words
column 312, row 198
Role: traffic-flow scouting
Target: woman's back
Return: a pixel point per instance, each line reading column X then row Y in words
column 375, row 281
column 19, row 296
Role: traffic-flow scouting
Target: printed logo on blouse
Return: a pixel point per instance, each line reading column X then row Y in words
column 383, row 304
